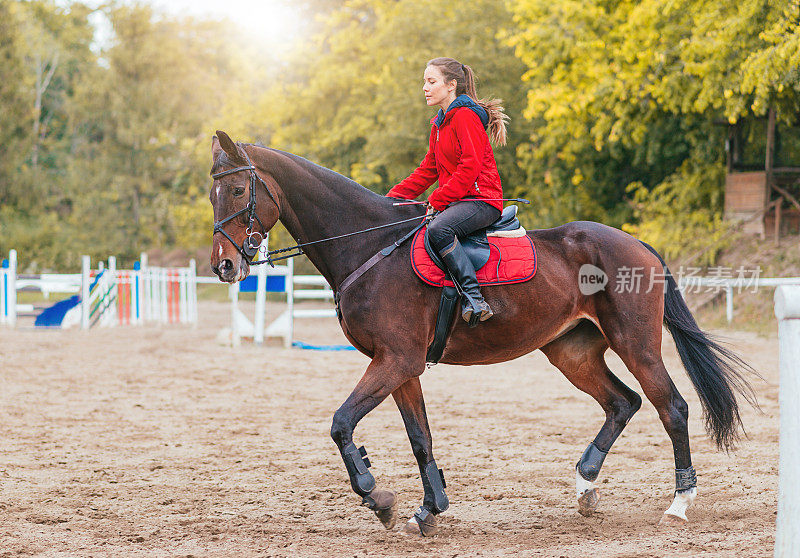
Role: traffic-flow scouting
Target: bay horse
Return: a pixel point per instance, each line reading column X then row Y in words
column 389, row 315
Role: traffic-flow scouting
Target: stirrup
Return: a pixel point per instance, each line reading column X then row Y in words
column 470, row 316
column 486, row 313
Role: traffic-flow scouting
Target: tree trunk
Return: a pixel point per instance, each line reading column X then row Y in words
column 42, row 83
column 769, row 159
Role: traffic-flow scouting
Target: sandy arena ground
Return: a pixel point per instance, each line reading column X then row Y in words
column 160, row 442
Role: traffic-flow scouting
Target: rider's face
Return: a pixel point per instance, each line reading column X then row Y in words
column 437, row 92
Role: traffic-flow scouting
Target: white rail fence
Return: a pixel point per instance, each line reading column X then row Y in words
column 283, row 325
column 787, row 310
column 735, row 286
column 108, row 296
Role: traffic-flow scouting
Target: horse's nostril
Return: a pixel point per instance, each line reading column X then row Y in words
column 226, row 266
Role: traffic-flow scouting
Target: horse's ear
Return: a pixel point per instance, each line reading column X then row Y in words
column 215, row 147
column 227, row 145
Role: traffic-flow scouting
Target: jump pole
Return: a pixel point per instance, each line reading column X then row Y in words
column 287, row 341
column 3, row 290
column 163, row 281
column 142, row 291
column 111, row 318
column 787, row 310
column 261, row 300
column 183, row 278
column 11, row 289
column 145, row 289
column 192, row 296
column 136, row 282
column 86, row 279
column 233, row 294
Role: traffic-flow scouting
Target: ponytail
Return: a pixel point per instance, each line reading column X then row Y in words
column 465, row 85
column 494, row 107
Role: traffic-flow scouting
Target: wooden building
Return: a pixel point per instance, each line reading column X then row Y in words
column 762, row 186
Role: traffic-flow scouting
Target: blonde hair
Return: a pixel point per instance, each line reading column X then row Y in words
column 464, row 77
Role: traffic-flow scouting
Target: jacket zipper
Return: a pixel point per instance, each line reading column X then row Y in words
column 477, row 188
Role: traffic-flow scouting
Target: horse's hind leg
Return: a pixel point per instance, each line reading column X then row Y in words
column 579, row 356
column 412, row 408
column 640, row 350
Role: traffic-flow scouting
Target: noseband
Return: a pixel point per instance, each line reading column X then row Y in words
column 249, row 247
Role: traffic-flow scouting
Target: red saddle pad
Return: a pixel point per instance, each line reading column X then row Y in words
column 511, row 260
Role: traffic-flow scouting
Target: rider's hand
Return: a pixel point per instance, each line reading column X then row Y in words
column 429, row 210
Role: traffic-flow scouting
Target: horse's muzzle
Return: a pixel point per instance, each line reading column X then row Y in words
column 226, row 271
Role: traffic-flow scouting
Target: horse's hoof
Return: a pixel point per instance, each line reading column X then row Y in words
column 587, row 502
column 384, row 504
column 669, row 520
column 426, row 527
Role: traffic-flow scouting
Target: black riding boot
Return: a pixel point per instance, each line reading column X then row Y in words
column 463, row 273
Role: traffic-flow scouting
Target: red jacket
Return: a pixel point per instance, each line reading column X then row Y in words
column 460, row 158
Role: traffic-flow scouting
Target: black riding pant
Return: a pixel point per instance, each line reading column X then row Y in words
column 460, row 219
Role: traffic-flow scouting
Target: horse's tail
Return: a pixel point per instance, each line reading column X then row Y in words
column 714, row 370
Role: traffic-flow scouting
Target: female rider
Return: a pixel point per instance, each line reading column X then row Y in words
column 461, row 159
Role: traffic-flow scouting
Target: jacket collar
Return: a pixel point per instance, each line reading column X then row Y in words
column 462, row 101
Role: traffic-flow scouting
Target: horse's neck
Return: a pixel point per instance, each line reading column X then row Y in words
column 316, row 206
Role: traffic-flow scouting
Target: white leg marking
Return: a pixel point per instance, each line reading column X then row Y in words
column 581, row 484
column 681, row 503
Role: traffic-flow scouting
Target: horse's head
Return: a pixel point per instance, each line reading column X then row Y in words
column 244, row 209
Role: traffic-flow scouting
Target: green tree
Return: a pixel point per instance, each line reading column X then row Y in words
column 627, row 97
column 351, row 99
column 164, row 79
column 48, row 49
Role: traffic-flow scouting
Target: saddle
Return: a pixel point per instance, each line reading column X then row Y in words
column 502, row 253
column 476, row 245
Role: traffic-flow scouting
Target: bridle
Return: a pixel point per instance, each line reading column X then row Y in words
column 249, row 248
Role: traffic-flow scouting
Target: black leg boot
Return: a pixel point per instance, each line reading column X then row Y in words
column 463, row 274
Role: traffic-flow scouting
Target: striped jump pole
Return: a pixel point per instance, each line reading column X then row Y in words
column 173, row 295
column 8, row 290
column 110, row 316
column 136, row 294
column 3, row 291
column 124, row 297
column 86, row 279
column 11, row 294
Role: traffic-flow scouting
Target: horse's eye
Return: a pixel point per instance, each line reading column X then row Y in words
column 238, row 191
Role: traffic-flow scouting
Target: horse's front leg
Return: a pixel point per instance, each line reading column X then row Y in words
column 411, row 403
column 384, row 375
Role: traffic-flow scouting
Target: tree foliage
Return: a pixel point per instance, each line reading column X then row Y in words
column 617, row 109
column 110, row 154
column 629, row 96
column 353, row 98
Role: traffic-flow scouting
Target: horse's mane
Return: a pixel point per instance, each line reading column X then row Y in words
column 329, row 177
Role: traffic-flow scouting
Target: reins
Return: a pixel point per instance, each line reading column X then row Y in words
column 299, row 247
